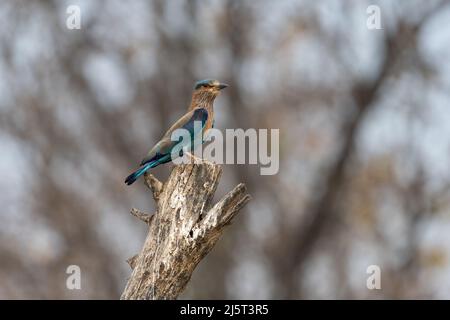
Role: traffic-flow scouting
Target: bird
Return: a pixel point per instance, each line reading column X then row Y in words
column 200, row 109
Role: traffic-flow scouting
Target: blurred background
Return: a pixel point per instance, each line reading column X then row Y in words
column 364, row 119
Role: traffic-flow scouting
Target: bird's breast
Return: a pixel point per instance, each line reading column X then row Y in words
column 210, row 121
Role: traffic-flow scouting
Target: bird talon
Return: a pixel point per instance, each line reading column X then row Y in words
column 193, row 159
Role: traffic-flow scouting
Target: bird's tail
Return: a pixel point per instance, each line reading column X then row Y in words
column 139, row 172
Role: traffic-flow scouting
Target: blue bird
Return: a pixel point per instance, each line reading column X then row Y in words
column 201, row 110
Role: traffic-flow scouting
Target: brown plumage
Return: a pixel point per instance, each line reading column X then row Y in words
column 200, row 109
column 203, row 97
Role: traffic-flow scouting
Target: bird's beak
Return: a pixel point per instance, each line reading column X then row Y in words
column 222, row 86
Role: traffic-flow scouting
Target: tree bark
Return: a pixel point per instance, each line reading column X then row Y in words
column 182, row 231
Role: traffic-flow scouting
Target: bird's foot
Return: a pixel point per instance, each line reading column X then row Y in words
column 193, row 159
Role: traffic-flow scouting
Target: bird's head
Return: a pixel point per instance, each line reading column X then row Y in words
column 212, row 87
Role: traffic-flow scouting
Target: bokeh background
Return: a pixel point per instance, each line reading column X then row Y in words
column 364, row 119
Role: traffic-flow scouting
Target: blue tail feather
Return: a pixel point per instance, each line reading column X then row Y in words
column 135, row 175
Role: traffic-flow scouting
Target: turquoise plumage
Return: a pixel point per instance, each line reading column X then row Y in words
column 201, row 110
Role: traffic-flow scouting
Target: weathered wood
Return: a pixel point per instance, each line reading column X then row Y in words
column 153, row 184
column 146, row 217
column 183, row 230
column 132, row 261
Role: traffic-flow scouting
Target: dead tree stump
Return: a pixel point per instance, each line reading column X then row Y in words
column 182, row 231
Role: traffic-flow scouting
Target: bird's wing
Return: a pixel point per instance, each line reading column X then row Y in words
column 165, row 145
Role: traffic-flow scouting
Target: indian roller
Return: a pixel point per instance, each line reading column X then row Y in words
column 201, row 110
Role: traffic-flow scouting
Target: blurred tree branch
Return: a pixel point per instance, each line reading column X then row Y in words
column 323, row 210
